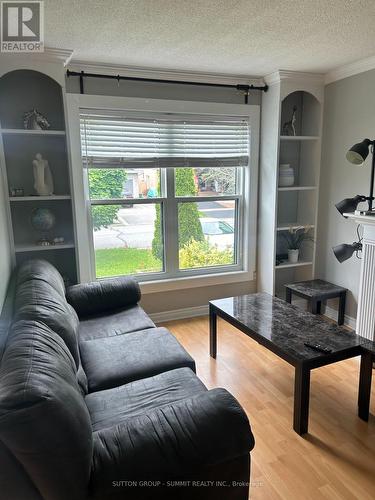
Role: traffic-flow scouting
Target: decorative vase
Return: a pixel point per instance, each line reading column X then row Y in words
column 286, row 175
column 293, row 254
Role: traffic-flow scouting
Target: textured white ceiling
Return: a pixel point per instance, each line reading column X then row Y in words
column 238, row 37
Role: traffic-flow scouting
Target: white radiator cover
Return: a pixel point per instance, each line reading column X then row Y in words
column 366, row 297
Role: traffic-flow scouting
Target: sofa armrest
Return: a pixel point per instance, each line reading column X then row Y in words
column 103, row 295
column 171, row 441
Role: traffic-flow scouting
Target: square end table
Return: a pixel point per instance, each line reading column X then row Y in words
column 316, row 292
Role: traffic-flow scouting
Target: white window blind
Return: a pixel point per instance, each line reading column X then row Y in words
column 166, row 141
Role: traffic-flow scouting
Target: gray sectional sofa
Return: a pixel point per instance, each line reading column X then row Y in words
column 97, row 402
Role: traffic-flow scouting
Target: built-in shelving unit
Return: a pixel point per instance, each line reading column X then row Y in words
column 296, row 138
column 16, row 131
column 54, row 197
column 40, row 248
column 21, row 91
column 297, row 188
column 292, row 225
column 285, row 208
column 288, row 265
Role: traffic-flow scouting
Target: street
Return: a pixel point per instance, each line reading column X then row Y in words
column 135, row 226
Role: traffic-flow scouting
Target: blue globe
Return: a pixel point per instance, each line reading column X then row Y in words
column 42, row 219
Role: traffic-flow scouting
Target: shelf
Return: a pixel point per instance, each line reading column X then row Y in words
column 297, row 188
column 299, row 137
column 40, row 248
column 288, row 265
column 54, row 197
column 287, row 225
column 20, row 131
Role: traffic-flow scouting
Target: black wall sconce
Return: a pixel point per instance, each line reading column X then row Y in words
column 344, row 251
column 357, row 155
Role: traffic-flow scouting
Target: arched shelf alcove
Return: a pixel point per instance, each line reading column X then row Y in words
column 23, row 90
column 307, row 114
column 288, row 196
column 299, row 149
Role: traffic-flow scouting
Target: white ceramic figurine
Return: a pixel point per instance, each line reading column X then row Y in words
column 43, row 182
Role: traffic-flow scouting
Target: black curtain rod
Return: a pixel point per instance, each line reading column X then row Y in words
column 244, row 88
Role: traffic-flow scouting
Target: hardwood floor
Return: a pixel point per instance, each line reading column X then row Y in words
column 336, row 460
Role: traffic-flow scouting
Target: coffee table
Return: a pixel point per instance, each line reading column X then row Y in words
column 283, row 329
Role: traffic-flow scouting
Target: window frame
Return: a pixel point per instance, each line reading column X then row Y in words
column 246, row 204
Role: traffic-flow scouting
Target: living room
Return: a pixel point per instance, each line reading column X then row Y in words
column 187, row 239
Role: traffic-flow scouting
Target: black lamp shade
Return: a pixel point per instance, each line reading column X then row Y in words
column 344, row 251
column 358, row 153
column 349, row 205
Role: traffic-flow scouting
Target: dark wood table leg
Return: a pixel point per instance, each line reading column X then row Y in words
column 213, row 332
column 301, row 399
column 341, row 315
column 288, row 295
column 364, row 390
column 316, row 306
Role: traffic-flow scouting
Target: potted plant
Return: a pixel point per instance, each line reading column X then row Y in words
column 294, row 238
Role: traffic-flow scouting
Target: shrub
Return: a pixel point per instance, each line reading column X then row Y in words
column 106, row 183
column 201, row 254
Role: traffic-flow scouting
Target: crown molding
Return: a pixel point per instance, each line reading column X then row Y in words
column 51, row 54
column 163, row 74
column 350, row 70
column 296, row 76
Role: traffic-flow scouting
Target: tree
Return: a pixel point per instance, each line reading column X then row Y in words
column 189, row 227
column 106, row 183
column 223, row 178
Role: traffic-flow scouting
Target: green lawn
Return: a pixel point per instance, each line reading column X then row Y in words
column 123, row 261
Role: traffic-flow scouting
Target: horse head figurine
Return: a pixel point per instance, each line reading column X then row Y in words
column 33, row 120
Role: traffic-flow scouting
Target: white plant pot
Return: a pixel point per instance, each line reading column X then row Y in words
column 293, row 255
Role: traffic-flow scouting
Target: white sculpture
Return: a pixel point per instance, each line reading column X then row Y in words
column 43, row 182
column 289, row 128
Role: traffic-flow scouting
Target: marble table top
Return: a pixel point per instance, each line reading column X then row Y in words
column 314, row 288
column 284, row 328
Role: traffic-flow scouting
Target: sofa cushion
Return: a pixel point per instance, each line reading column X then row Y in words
column 118, row 322
column 114, row 361
column 44, row 421
column 103, row 296
column 43, row 271
column 113, row 406
column 38, row 300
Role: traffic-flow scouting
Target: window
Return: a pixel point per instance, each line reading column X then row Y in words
column 166, row 192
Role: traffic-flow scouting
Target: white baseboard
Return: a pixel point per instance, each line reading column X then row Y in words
column 187, row 312
column 332, row 314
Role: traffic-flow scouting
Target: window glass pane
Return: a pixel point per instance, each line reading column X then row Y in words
column 127, row 239
column 112, row 183
column 206, row 232
column 205, row 181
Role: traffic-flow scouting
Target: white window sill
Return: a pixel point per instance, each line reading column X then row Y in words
column 167, row 285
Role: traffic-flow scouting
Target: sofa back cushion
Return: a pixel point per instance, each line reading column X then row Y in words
column 44, row 421
column 40, row 296
column 38, row 269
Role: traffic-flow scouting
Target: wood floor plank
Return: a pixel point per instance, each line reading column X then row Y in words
column 335, row 461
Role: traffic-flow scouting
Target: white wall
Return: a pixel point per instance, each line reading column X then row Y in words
column 349, row 117
column 5, row 257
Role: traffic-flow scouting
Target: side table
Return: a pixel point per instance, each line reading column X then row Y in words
column 316, row 292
